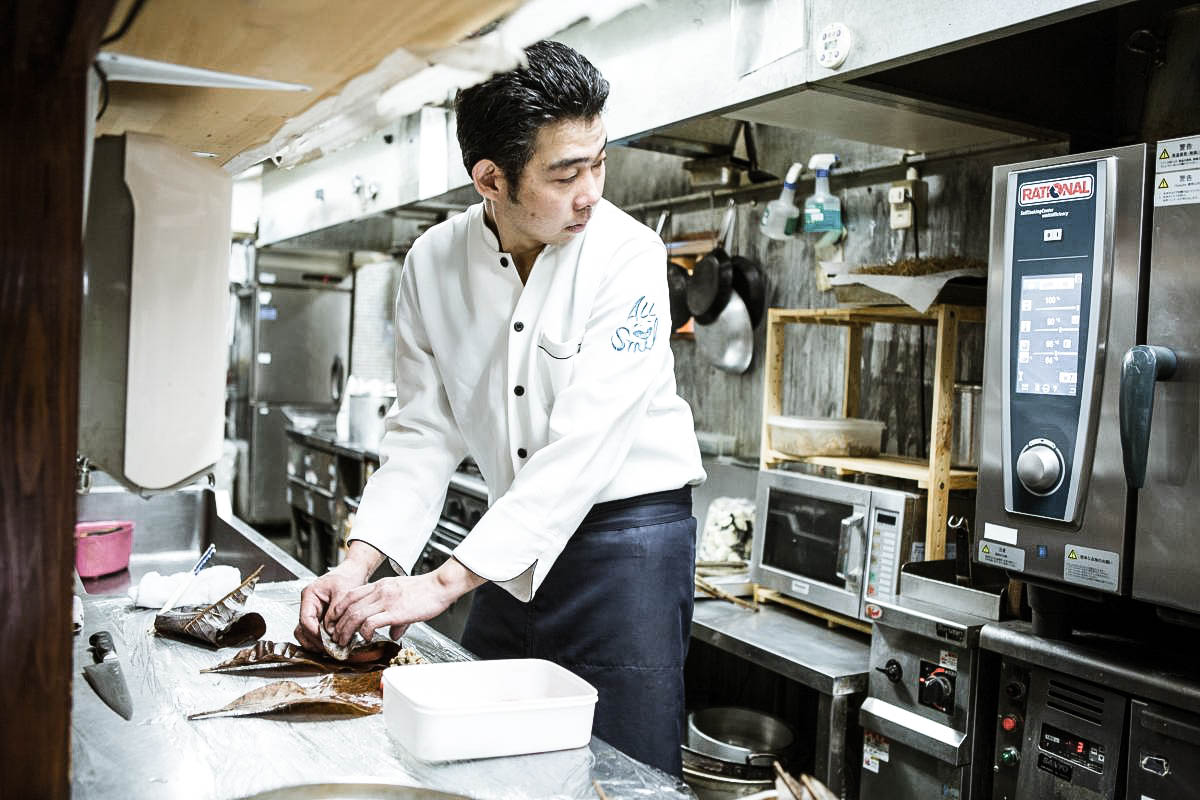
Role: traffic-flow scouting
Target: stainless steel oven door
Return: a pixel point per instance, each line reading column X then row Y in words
column 811, row 541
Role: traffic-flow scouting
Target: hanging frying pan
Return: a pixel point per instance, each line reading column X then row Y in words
column 677, row 287
column 749, row 281
column 712, row 277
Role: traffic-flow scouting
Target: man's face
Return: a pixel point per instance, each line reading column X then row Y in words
column 561, row 183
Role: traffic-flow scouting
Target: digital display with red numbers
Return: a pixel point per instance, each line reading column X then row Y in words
column 1073, row 748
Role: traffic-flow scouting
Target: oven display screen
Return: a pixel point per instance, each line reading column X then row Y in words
column 1072, row 748
column 1048, row 334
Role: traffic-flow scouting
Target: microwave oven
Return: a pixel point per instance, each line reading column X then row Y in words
column 833, row 544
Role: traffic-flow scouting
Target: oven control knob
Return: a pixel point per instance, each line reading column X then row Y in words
column 939, row 690
column 1040, row 468
column 892, row 670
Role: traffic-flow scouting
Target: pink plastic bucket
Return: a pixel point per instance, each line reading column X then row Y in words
column 102, row 548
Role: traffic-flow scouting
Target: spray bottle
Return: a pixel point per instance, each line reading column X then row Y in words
column 822, row 210
column 781, row 216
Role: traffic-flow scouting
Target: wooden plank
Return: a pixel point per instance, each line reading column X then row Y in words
column 888, row 315
column 43, row 83
column 852, row 386
column 912, row 469
column 320, row 43
column 941, row 432
column 832, row 618
column 772, row 381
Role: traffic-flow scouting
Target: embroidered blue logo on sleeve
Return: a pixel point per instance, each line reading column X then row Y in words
column 640, row 330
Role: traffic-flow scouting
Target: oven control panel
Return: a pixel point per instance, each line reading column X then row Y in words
column 883, row 560
column 935, row 687
column 1055, row 262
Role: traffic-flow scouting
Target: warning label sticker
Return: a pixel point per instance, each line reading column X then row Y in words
column 1175, row 154
column 875, row 750
column 1177, row 188
column 1090, row 567
column 1001, row 555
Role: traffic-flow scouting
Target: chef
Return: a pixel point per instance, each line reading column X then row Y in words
column 532, row 334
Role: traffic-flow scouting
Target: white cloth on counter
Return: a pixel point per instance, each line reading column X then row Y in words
column 727, row 532
column 562, row 390
column 210, row 585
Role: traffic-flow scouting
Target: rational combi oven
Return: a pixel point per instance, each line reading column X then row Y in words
column 833, row 544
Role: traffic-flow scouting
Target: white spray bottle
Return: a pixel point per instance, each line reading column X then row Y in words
column 780, row 217
column 822, row 210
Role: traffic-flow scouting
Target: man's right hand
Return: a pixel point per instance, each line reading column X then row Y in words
column 316, row 598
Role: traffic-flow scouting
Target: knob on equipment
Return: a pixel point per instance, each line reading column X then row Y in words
column 892, row 670
column 1040, row 467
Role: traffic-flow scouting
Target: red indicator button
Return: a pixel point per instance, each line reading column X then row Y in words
column 1009, row 722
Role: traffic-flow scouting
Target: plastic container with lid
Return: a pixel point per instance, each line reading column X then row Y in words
column 825, row 436
column 482, row 709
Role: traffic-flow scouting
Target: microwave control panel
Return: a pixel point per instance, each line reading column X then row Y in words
column 883, row 561
column 1055, row 261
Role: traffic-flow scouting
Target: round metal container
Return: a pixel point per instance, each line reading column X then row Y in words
column 964, row 442
column 738, row 735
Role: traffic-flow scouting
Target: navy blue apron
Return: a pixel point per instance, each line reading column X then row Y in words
column 615, row 609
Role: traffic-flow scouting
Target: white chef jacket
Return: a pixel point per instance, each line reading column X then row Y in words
column 562, row 390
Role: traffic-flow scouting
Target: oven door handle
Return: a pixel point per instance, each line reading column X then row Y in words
column 850, row 549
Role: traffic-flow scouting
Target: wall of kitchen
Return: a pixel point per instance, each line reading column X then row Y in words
column 954, row 223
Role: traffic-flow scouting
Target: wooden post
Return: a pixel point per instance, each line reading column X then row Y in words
column 48, row 47
column 772, row 382
column 853, row 369
column 941, row 431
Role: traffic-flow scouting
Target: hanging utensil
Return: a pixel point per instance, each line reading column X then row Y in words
column 712, row 278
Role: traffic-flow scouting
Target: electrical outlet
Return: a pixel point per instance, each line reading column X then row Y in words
column 900, row 200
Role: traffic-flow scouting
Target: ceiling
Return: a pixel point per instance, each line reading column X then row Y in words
column 320, row 43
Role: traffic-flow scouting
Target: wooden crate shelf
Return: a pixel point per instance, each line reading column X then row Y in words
column 934, row 475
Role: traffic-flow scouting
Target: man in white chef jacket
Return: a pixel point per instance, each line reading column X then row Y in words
column 532, row 333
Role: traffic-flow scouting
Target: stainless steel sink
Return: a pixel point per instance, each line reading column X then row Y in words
column 172, row 530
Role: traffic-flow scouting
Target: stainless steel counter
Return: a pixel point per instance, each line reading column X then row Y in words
column 1164, row 671
column 833, row 662
column 161, row 754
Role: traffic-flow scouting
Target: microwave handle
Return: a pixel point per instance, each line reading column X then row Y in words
column 850, row 557
column 1142, row 367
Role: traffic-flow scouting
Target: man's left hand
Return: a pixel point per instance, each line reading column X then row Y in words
column 396, row 603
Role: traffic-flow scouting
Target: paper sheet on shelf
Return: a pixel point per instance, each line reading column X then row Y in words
column 918, row 291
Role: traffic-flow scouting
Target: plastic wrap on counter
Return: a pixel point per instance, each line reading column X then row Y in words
column 160, row 753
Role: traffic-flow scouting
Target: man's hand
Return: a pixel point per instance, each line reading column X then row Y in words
column 316, row 598
column 397, row 602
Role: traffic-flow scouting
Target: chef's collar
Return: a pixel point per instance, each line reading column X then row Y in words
column 488, row 237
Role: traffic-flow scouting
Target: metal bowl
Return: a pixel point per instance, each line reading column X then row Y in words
column 739, row 735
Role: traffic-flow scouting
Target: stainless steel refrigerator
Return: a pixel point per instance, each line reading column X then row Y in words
column 301, row 322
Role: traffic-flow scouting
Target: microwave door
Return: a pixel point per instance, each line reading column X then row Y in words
column 813, row 549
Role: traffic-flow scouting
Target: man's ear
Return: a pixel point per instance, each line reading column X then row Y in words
column 488, row 179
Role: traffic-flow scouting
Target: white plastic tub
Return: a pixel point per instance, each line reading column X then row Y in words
column 825, row 436
column 481, row 709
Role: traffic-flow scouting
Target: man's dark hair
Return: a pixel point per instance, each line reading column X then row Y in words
column 499, row 119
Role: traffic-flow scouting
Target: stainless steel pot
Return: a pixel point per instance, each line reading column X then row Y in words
column 730, row 751
column 964, row 445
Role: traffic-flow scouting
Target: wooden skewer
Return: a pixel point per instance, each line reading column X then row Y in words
column 709, row 589
column 793, row 786
column 599, row 792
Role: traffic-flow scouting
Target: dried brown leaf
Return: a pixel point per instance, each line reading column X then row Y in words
column 356, row 695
